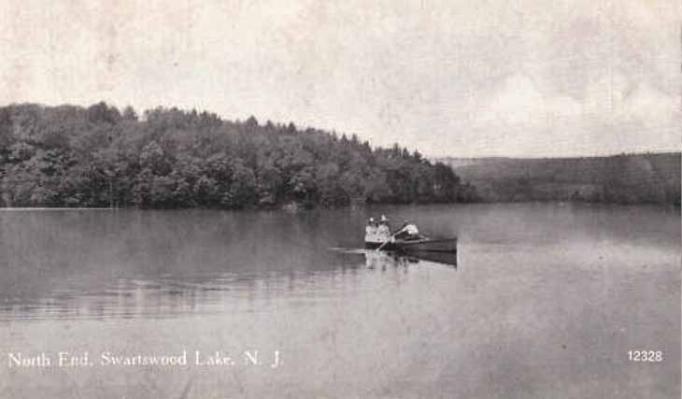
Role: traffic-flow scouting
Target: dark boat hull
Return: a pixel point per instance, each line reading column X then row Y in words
column 448, row 245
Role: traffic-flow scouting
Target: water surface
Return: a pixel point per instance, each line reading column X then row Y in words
column 545, row 301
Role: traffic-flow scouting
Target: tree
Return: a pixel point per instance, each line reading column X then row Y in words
column 152, row 158
column 129, row 114
column 252, row 122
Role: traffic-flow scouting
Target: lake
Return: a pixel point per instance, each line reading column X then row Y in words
column 546, row 300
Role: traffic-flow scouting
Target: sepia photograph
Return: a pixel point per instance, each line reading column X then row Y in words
column 381, row 199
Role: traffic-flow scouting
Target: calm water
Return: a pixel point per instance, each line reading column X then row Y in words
column 545, row 302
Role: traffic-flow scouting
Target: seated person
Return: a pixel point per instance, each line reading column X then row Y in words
column 371, row 231
column 408, row 231
column 383, row 232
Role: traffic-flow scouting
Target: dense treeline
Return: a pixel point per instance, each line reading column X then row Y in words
column 168, row 158
column 624, row 178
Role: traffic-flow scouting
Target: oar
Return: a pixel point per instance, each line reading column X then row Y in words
column 389, row 239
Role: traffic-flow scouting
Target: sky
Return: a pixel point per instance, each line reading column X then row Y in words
column 448, row 78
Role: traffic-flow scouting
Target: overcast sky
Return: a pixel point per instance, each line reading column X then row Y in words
column 461, row 78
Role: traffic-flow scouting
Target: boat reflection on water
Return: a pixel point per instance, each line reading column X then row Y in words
column 384, row 260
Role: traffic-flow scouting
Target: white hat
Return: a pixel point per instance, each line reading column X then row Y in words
column 384, row 218
column 371, row 219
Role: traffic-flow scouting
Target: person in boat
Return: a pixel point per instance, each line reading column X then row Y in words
column 408, row 232
column 371, row 230
column 384, row 230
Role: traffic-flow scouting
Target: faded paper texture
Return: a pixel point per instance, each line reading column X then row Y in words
column 494, row 78
column 340, row 199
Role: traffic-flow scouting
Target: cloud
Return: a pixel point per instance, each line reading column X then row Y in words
column 518, row 100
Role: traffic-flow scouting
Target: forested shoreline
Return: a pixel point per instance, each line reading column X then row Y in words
column 100, row 156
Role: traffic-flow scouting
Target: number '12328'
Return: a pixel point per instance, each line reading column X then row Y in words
column 645, row 356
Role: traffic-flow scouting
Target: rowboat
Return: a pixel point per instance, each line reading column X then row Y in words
column 406, row 239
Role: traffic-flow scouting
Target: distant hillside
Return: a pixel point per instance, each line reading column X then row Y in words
column 631, row 178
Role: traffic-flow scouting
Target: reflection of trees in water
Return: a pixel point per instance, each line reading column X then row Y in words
column 132, row 298
column 383, row 260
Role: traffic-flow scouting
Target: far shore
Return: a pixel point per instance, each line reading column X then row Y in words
column 302, row 209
